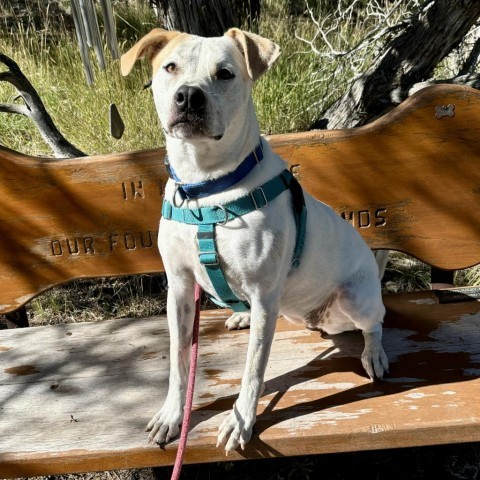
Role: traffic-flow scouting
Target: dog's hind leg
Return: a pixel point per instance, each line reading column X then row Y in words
column 165, row 425
column 236, row 429
column 374, row 359
column 360, row 299
column 238, row 321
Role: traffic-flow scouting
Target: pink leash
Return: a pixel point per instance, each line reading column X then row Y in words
column 187, row 411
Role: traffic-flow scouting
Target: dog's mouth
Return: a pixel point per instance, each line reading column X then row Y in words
column 190, row 126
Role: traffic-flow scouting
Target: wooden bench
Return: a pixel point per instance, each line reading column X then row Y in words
column 76, row 397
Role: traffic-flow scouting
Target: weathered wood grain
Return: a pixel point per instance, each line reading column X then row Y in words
column 408, row 182
column 76, row 218
column 77, row 397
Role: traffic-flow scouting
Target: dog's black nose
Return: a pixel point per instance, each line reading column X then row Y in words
column 190, row 99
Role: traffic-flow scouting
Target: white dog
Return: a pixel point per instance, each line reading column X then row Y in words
column 202, row 91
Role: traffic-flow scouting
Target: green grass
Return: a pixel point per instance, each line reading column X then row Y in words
column 54, row 67
column 91, row 300
column 284, row 97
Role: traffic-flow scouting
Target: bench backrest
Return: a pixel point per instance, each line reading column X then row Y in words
column 410, row 181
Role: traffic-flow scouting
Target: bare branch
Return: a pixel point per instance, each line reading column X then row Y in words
column 470, row 80
column 386, row 22
column 11, row 108
column 35, row 110
column 336, row 38
column 428, row 37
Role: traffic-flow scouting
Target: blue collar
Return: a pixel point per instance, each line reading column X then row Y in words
column 216, row 185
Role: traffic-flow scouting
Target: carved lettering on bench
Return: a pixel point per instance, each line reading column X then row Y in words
column 88, row 245
column 126, row 241
column 129, row 241
column 133, row 190
column 72, row 246
column 366, row 218
column 132, row 240
column 380, row 217
column 56, row 247
column 146, row 239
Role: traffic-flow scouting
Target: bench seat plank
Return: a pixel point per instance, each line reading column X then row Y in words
column 77, row 397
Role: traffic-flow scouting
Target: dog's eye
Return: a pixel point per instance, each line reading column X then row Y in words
column 170, row 68
column 224, row 74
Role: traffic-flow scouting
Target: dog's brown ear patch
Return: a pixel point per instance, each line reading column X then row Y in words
column 260, row 53
column 148, row 47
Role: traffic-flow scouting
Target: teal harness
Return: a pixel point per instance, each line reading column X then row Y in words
column 207, row 218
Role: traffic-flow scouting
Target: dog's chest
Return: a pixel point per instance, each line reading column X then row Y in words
column 250, row 250
column 177, row 243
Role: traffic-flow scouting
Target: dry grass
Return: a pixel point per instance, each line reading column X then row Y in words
column 94, row 300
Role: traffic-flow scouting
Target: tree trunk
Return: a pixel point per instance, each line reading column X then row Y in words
column 207, row 18
column 410, row 58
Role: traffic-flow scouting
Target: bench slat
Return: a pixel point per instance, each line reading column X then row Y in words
column 408, row 182
column 76, row 397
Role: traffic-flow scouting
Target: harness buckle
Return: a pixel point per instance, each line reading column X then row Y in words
column 208, row 258
column 261, row 201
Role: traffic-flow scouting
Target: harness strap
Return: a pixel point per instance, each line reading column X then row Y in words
column 222, row 214
column 300, row 214
column 208, row 217
column 209, row 259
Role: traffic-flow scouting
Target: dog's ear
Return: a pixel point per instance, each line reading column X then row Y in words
column 260, row 53
column 148, row 47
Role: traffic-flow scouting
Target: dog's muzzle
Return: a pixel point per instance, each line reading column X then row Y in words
column 189, row 113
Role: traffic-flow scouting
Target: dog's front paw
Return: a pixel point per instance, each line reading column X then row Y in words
column 165, row 425
column 375, row 362
column 238, row 321
column 234, row 431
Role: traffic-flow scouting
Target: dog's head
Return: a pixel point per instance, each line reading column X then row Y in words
column 202, row 86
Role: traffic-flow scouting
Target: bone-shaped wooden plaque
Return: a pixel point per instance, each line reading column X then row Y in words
column 409, row 181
